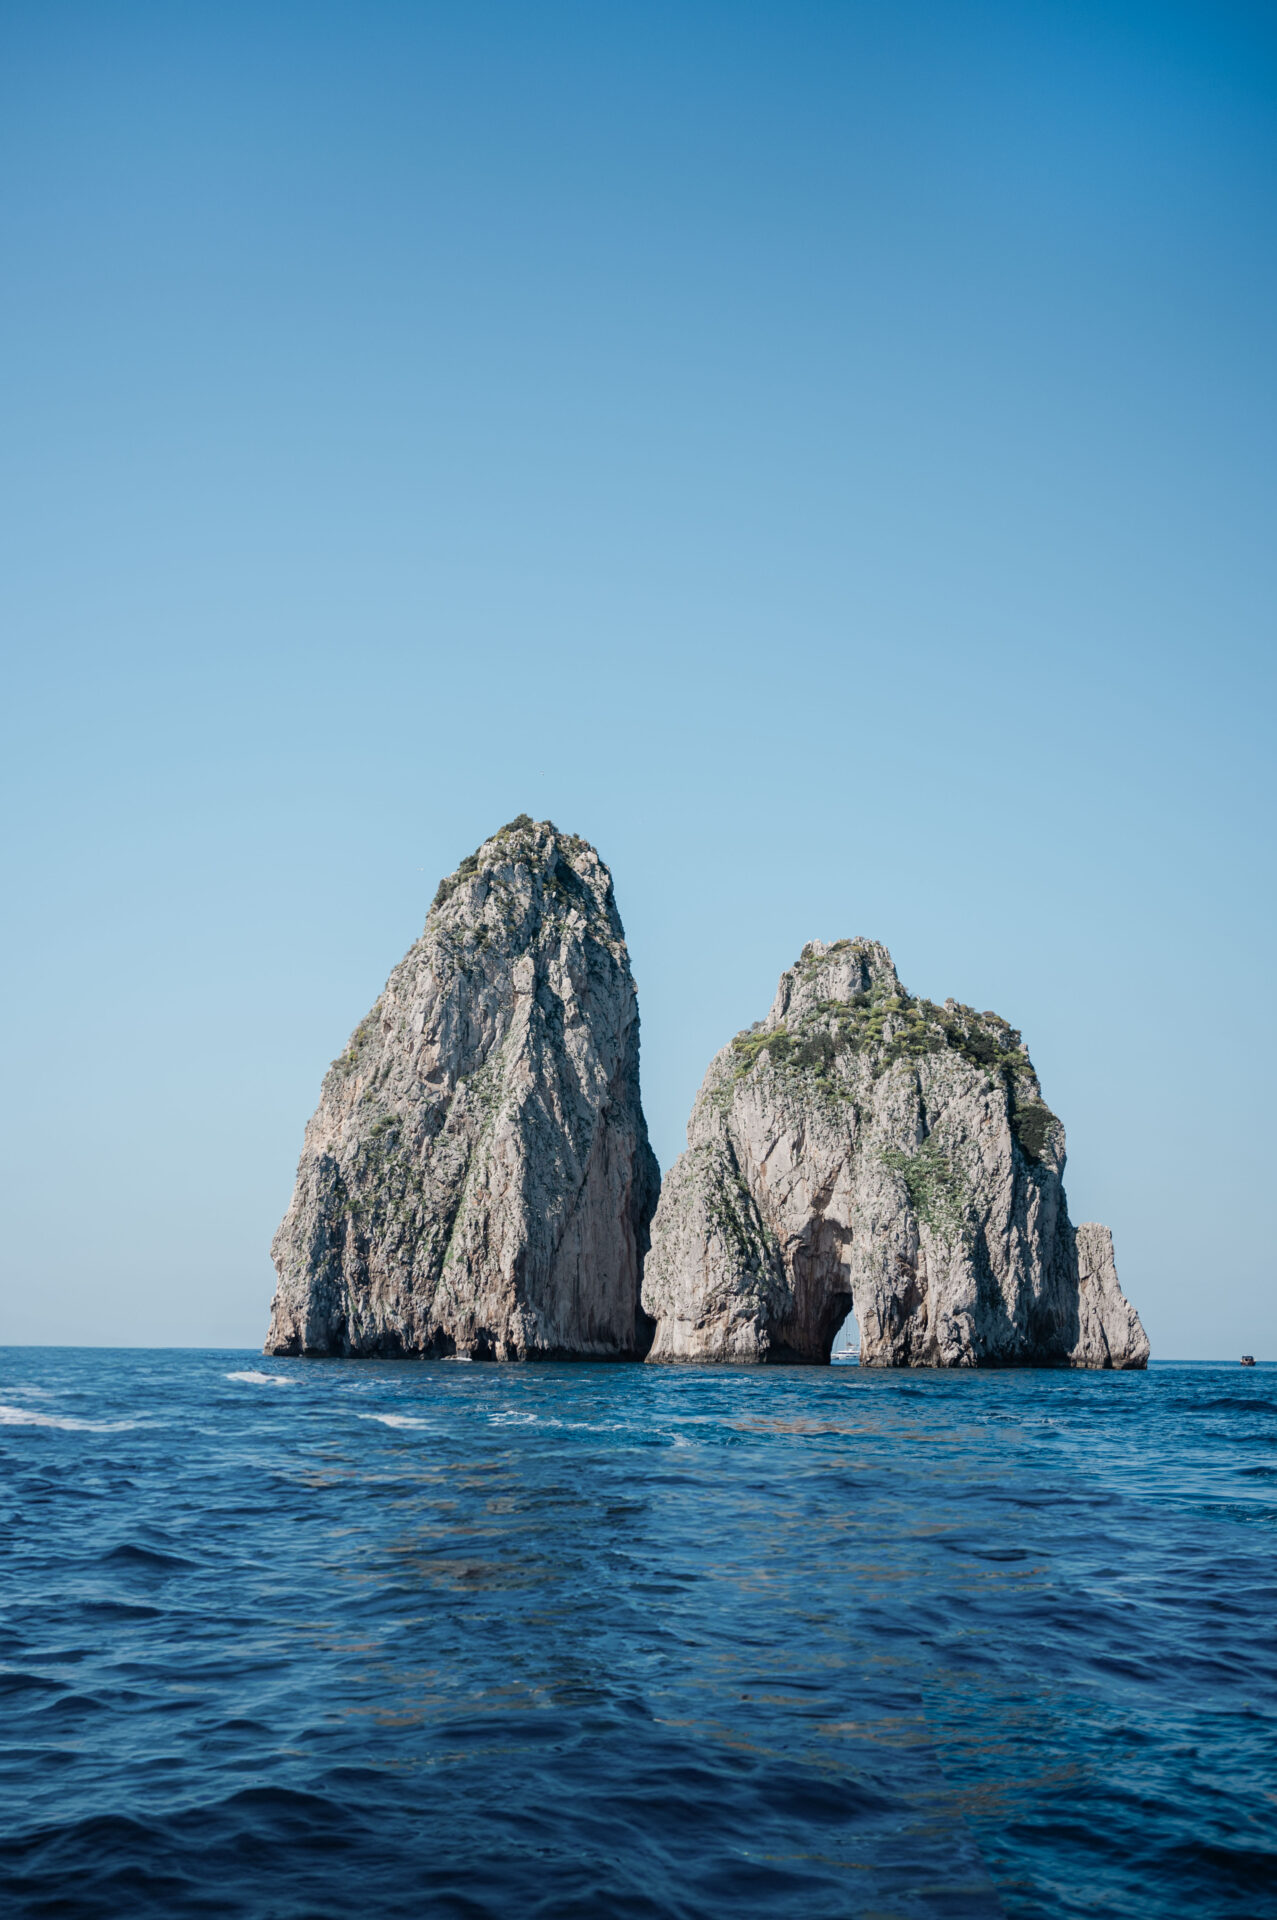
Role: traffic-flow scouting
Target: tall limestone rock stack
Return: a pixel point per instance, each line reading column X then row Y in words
column 477, row 1178
column 863, row 1148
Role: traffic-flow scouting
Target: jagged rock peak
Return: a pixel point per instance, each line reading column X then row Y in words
column 557, row 864
column 477, row 1178
column 864, row 1148
column 828, row 973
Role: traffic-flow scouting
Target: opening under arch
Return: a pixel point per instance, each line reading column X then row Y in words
column 846, row 1348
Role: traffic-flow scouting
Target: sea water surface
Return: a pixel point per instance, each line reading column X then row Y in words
column 286, row 1638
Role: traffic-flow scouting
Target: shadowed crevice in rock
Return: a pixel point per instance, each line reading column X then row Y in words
column 863, row 1149
column 477, row 1178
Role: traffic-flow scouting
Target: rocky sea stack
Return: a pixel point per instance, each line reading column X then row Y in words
column 477, row 1179
column 859, row 1147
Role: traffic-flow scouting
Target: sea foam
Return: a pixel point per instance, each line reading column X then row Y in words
column 394, row 1419
column 28, row 1417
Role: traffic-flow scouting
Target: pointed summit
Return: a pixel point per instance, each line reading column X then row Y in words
column 477, row 1178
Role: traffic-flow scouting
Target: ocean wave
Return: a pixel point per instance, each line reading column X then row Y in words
column 252, row 1379
column 130, row 1553
column 857, row 1643
column 28, row 1417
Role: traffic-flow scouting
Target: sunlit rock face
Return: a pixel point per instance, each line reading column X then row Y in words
column 477, row 1179
column 862, row 1148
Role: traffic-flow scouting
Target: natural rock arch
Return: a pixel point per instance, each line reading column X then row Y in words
column 864, row 1150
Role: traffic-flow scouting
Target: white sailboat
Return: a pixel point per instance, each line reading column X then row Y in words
column 846, row 1348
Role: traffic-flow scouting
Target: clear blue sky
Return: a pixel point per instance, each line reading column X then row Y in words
column 824, row 454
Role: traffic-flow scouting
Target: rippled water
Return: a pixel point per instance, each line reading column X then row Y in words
column 284, row 1638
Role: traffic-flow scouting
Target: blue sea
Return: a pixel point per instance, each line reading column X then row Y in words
column 286, row 1638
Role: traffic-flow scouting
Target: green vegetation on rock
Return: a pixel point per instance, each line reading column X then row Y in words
column 886, row 1026
column 936, row 1191
column 731, row 1210
column 1031, row 1123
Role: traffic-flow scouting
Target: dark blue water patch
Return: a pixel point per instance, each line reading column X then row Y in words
column 280, row 1639
column 1229, row 1403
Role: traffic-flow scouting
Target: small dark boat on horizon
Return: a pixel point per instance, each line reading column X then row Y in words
column 1248, row 1359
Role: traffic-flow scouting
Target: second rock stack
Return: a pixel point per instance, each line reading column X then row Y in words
column 864, row 1149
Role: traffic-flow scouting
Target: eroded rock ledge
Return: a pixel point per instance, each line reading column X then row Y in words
column 860, row 1147
column 477, row 1178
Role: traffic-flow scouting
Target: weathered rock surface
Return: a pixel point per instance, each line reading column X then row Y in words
column 477, row 1178
column 861, row 1148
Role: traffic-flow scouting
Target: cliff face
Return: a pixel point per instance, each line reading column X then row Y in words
column 863, row 1148
column 477, row 1178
